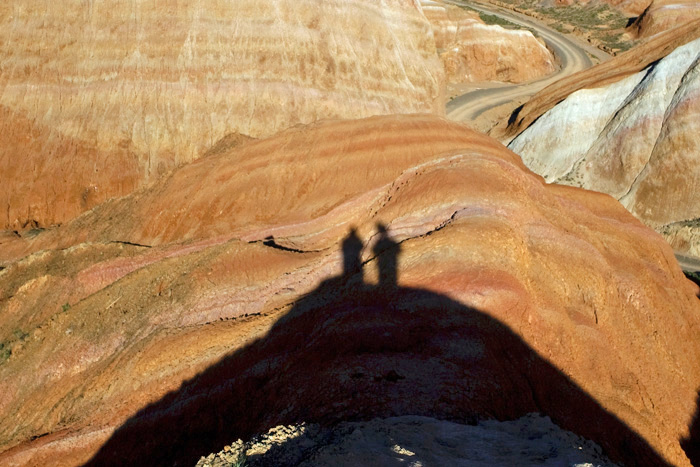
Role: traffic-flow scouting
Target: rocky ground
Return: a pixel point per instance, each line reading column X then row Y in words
column 417, row 267
column 413, row 441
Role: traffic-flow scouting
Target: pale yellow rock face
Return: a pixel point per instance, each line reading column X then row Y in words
column 492, row 53
column 133, row 89
column 447, row 21
column 473, row 51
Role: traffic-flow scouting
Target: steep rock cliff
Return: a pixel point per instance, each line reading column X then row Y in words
column 473, row 51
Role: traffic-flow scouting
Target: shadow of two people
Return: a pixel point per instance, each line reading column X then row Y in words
column 356, row 351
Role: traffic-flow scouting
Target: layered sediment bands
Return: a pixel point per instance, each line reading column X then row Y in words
column 484, row 293
column 447, row 21
column 263, row 185
column 613, row 70
column 47, row 177
column 635, row 139
column 472, row 51
column 662, row 15
column 119, row 93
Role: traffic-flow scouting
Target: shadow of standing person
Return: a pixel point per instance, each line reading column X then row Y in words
column 387, row 252
column 352, row 264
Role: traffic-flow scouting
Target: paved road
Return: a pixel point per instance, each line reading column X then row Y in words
column 571, row 52
column 688, row 263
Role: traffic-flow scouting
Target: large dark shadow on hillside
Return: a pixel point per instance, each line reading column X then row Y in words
column 691, row 444
column 354, row 351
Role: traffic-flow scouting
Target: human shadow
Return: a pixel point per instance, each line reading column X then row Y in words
column 387, row 252
column 691, row 444
column 354, row 351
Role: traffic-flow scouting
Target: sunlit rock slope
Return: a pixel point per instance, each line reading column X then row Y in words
column 344, row 271
column 662, row 15
column 473, row 51
column 636, row 139
column 98, row 98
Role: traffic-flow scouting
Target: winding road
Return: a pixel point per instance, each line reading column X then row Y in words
column 573, row 55
column 688, row 263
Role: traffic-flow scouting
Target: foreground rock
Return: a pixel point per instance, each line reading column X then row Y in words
column 475, row 52
column 349, row 270
column 98, row 99
column 636, row 140
column 531, row 440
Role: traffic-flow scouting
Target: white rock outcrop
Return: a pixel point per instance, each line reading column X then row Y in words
column 635, row 139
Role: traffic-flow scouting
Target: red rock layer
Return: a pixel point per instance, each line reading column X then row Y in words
column 118, row 94
column 263, row 185
column 490, row 294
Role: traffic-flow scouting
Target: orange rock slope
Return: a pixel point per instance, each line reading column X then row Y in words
column 118, row 94
column 662, row 15
column 348, row 270
column 473, row 51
